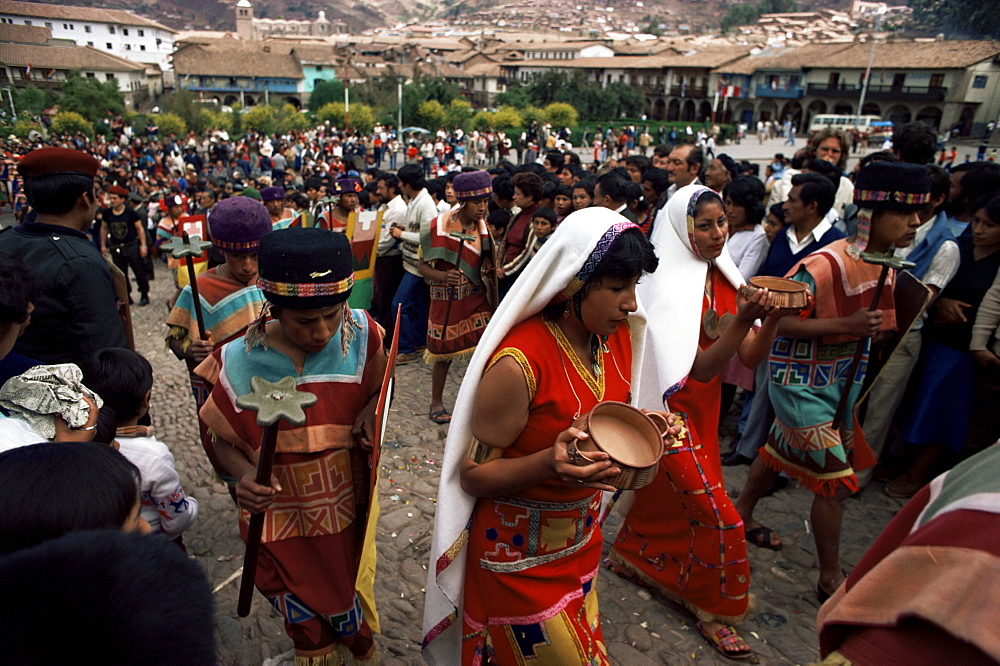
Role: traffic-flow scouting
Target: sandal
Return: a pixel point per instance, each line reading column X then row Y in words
column 762, row 538
column 441, row 417
column 724, row 638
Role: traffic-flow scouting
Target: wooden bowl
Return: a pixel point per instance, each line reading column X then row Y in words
column 785, row 293
column 632, row 440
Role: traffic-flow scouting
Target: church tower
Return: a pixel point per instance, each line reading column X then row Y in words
column 244, row 19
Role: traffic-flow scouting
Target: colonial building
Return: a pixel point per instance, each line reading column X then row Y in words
column 117, row 32
column 30, row 57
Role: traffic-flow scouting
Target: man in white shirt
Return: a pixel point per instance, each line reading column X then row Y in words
column 389, row 264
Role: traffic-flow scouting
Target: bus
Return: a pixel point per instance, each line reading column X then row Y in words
column 845, row 124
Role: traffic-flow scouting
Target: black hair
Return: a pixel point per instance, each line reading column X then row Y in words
column 696, row 157
column 58, row 193
column 131, row 598
column 529, row 183
column 210, row 192
column 17, row 290
column 503, row 188
column 982, row 179
column 499, row 218
column 549, row 190
column 705, row 198
column 585, row 184
column 748, row 168
column 435, row 189
column 640, row 161
column 52, row 488
column 299, row 199
column 799, row 158
column 915, row 143
column 830, row 171
column 658, row 178
column 546, row 214
column 636, row 199
column 614, row 185
column 412, row 175
column 572, row 158
column 575, row 169
column 778, row 210
column 747, row 192
column 878, row 156
column 815, row 188
column 993, row 209
column 940, row 183
column 313, row 183
column 661, row 150
column 563, row 190
column 532, row 167
column 390, row 180
column 556, row 159
column 121, row 377
column 630, row 255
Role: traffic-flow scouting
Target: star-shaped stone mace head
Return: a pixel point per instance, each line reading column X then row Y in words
column 274, row 401
column 186, row 247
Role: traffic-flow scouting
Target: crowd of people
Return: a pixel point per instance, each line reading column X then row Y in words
column 564, row 285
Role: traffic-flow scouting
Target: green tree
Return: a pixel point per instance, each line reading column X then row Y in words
column 561, row 114
column 326, row 92
column 185, row 105
column 33, row 100
column 216, row 120
column 71, row 122
column 482, row 121
column 23, row 127
column 288, row 118
column 508, row 118
column 531, row 114
column 362, row 117
column 94, row 100
column 546, row 87
column 332, row 112
column 957, row 18
column 430, row 114
column 260, row 118
column 458, row 114
column 629, row 100
column 515, row 96
column 170, row 123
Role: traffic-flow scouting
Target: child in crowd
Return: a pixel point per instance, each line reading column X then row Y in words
column 563, row 201
column 774, row 222
column 543, row 224
column 124, row 379
column 497, row 222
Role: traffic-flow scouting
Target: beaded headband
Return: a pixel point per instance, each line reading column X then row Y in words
column 306, row 289
column 894, row 196
column 601, row 249
column 235, row 246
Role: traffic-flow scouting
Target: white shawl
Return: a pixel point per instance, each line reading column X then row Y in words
column 573, row 251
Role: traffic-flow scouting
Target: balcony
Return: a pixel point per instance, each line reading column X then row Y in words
column 791, row 92
column 881, row 92
column 689, row 91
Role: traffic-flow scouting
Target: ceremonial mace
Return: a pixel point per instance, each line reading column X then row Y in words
column 886, row 262
column 273, row 402
column 187, row 248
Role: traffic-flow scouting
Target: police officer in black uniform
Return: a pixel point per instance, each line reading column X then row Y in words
column 75, row 314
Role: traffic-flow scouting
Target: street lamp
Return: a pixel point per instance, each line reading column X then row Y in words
column 871, row 59
column 399, row 111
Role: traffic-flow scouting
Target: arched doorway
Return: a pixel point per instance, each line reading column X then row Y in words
column 768, row 110
column 249, row 100
column 898, row 115
column 816, row 108
column 964, row 124
column 673, row 111
column 231, row 99
column 929, row 115
column 744, row 113
column 687, row 113
column 792, row 111
column 659, row 109
column 871, row 109
column 294, row 101
column 704, row 111
column 843, row 109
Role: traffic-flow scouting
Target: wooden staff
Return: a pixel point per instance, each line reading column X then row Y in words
column 273, row 402
column 887, row 262
column 187, row 248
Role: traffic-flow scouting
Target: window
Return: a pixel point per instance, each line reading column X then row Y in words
column 142, row 33
column 48, row 24
column 111, row 29
column 979, row 82
column 90, row 43
column 109, row 45
column 27, row 23
column 65, row 26
column 142, row 47
column 86, row 28
column 91, row 75
column 125, row 31
column 110, row 77
column 128, row 47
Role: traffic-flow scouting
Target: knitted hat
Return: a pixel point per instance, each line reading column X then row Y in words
column 273, row 193
column 472, row 185
column 251, row 192
column 54, row 161
column 238, row 224
column 346, row 186
column 305, row 269
column 892, row 186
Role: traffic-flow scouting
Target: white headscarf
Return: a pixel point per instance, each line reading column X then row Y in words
column 559, row 269
column 673, row 296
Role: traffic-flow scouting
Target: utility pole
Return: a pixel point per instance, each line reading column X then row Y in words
column 871, row 60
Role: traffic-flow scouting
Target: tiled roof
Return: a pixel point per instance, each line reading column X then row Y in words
column 233, row 57
column 25, row 34
column 66, row 13
column 41, row 56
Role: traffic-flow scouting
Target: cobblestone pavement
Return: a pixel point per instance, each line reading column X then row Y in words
column 639, row 627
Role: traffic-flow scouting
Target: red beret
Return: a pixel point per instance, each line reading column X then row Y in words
column 119, row 190
column 52, row 161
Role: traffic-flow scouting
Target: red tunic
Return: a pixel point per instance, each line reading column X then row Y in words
column 533, row 557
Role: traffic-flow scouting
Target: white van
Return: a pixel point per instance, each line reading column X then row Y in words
column 844, row 124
